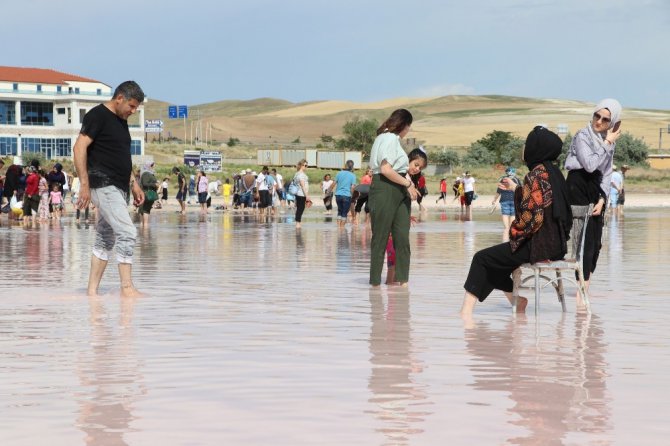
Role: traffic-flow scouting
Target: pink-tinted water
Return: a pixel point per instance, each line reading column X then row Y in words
column 255, row 334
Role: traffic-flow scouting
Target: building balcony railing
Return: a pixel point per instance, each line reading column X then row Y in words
column 55, row 93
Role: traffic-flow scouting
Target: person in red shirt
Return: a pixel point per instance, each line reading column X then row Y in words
column 31, row 199
column 443, row 191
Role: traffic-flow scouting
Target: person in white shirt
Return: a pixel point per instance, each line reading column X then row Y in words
column 212, row 189
column 616, row 186
column 469, row 189
column 265, row 199
column 281, row 193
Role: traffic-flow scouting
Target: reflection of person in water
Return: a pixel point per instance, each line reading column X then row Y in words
column 111, row 374
column 393, row 388
column 557, row 384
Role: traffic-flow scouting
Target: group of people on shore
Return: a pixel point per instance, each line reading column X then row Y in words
column 31, row 194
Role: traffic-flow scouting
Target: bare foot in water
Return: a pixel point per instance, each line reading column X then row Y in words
column 131, row 291
column 521, row 304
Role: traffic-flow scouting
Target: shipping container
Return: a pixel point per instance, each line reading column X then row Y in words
column 330, row 160
column 356, row 157
column 291, row 157
column 269, row 157
column 311, row 157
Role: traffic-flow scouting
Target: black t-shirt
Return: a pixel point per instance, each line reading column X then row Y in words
column 181, row 180
column 109, row 162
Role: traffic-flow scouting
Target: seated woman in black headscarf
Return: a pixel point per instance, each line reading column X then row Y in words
column 539, row 231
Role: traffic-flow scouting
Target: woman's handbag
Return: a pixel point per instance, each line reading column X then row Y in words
column 293, row 188
column 150, row 195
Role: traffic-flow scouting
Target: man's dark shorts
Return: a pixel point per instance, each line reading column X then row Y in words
column 181, row 195
column 468, row 198
column 265, row 199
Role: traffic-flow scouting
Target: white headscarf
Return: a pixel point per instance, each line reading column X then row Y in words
column 148, row 167
column 614, row 108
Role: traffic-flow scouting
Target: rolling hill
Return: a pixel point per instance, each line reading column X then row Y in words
column 439, row 121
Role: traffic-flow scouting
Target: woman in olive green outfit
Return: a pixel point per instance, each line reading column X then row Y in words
column 391, row 194
column 148, row 181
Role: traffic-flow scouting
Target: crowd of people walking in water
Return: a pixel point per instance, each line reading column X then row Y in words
column 537, row 211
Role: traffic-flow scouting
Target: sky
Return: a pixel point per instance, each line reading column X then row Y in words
column 199, row 51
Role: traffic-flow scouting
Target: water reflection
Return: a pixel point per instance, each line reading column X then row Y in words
column 110, row 376
column 399, row 399
column 557, row 383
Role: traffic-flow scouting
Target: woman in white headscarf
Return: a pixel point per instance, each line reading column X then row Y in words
column 589, row 165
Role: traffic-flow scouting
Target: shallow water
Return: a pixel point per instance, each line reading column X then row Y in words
column 258, row 334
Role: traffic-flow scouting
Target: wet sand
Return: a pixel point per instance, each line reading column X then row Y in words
column 255, row 333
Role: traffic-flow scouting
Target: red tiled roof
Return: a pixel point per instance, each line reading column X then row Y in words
column 39, row 76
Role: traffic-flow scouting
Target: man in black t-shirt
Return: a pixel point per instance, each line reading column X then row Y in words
column 103, row 162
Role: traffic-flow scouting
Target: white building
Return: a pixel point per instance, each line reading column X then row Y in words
column 41, row 111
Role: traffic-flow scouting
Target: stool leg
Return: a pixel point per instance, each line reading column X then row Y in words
column 537, row 291
column 560, row 290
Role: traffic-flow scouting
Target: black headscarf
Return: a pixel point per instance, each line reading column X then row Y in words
column 543, row 147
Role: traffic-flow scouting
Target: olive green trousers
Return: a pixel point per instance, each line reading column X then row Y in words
column 390, row 208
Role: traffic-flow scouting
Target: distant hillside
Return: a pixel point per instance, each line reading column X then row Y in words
column 440, row 121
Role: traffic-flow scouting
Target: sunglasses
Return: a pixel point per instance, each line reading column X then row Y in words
column 598, row 117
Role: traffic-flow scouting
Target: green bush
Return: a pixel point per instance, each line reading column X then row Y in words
column 479, row 155
column 631, row 150
column 445, row 157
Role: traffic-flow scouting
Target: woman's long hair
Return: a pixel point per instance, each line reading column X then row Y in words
column 397, row 122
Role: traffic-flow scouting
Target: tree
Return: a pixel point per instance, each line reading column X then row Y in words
column 511, row 152
column 496, row 142
column 566, row 148
column 478, row 155
column 233, row 141
column 359, row 134
column 631, row 150
column 446, row 157
column 296, row 141
column 327, row 139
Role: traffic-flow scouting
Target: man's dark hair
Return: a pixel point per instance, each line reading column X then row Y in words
column 175, row 170
column 130, row 90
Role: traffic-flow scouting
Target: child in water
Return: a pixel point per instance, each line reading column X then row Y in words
column 56, row 200
column 417, row 162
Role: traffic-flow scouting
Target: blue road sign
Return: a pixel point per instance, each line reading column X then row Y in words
column 183, row 111
column 172, row 111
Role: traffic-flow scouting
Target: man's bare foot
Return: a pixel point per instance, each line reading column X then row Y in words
column 92, row 293
column 131, row 291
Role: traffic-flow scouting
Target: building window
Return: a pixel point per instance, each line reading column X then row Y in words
column 39, row 88
column 69, row 90
column 59, row 89
column 7, row 112
column 98, row 92
column 7, row 146
column 37, row 113
column 82, row 112
column 60, row 111
column 76, row 90
column 136, row 147
column 15, row 87
column 48, row 147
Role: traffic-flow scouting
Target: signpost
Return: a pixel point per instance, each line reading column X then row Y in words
column 211, row 161
column 153, row 125
column 179, row 111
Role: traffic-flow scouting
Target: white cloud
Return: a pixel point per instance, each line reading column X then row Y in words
column 444, row 90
